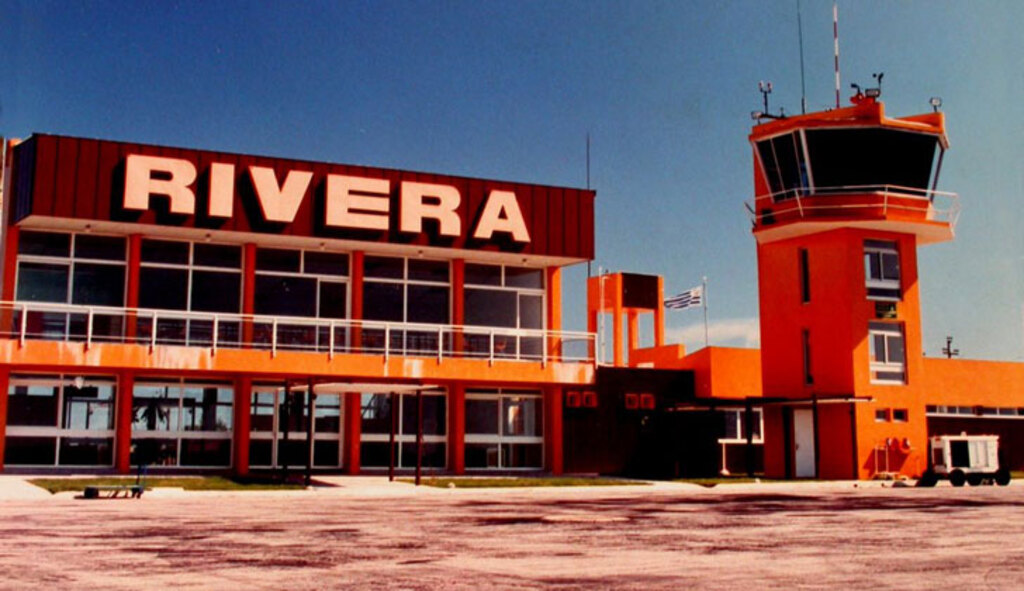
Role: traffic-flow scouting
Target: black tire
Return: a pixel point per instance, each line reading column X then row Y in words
column 927, row 480
column 975, row 479
column 957, row 477
column 1002, row 477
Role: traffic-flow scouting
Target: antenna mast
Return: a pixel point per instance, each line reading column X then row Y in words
column 835, row 38
column 800, row 33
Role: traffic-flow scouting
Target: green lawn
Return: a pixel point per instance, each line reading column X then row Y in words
column 56, row 485
column 520, row 482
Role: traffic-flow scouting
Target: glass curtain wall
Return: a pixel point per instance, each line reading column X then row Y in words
column 79, row 269
column 376, row 419
column 504, row 297
column 190, row 277
column 182, row 423
column 504, row 429
column 55, row 420
column 407, row 291
column 271, row 416
column 301, row 284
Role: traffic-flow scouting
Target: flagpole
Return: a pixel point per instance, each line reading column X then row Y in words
column 704, row 300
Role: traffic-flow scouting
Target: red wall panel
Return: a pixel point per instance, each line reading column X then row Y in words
column 84, row 179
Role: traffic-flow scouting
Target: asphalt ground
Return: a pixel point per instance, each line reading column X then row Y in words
column 370, row 534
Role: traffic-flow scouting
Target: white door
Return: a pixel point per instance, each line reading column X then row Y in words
column 803, row 442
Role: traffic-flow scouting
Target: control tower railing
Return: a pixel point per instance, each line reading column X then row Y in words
column 855, row 202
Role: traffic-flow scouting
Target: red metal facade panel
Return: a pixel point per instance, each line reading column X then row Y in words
column 84, row 179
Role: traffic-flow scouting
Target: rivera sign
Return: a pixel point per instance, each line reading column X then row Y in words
column 350, row 202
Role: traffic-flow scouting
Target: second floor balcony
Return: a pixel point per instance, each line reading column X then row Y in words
column 89, row 325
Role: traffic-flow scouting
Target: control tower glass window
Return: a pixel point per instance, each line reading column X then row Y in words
column 882, row 270
column 785, row 165
column 871, row 157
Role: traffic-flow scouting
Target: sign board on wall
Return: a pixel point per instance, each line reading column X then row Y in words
column 74, row 178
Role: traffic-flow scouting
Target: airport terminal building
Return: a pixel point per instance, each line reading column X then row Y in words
column 195, row 310
column 177, row 307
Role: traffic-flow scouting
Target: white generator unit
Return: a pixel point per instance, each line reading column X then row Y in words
column 973, row 459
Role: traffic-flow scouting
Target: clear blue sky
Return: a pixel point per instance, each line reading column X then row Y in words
column 510, row 89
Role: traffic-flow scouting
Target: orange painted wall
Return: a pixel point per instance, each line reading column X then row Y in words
column 968, row 382
column 837, row 318
column 725, row 372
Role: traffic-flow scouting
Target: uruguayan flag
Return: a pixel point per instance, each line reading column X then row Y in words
column 690, row 298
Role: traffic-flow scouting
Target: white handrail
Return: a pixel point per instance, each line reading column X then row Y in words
column 282, row 333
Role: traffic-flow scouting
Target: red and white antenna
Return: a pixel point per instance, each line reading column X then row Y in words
column 835, row 38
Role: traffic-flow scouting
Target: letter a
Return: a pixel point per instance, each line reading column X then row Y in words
column 501, row 214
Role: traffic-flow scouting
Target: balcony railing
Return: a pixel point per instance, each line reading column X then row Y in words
column 97, row 324
column 825, row 202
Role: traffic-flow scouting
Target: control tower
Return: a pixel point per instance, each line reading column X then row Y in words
column 842, row 200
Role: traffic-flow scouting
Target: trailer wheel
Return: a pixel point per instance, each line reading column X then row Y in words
column 1002, row 477
column 975, row 479
column 927, row 480
column 957, row 477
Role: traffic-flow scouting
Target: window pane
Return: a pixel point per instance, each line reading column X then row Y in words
column 155, row 408
column 261, row 416
column 434, row 418
column 523, row 277
column 326, row 263
column 205, row 452
column 78, row 451
column 275, row 259
column 382, row 301
column 164, row 289
column 110, row 248
column 157, row 452
column 32, row 406
column 521, row 416
column 49, row 244
column 531, row 311
column 328, row 414
column 482, row 455
column 433, row 455
column 333, row 298
column 38, row 282
column 89, row 407
column 732, row 421
column 165, row 251
column 428, row 270
column 521, row 455
column 872, row 265
column 217, row 255
column 483, row 274
column 376, row 413
column 482, row 416
column 428, row 304
column 890, row 265
column 216, row 292
column 206, row 409
column 385, row 267
column 98, row 285
column 30, row 451
column 487, row 307
column 894, row 349
column 285, row 296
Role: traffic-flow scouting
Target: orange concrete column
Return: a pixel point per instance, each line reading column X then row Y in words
column 618, row 357
column 242, row 426
column 5, row 378
column 458, row 302
column 356, row 297
column 353, row 431
column 554, row 309
column 123, row 413
column 633, row 332
column 248, row 289
column 132, row 296
column 457, row 429
column 553, row 430
column 659, row 314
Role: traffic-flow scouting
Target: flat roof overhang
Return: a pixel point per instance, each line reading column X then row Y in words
column 698, row 404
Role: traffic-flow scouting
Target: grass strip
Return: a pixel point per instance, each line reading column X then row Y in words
column 56, row 485
column 521, row 482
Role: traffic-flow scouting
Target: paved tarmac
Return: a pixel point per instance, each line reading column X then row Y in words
column 366, row 533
